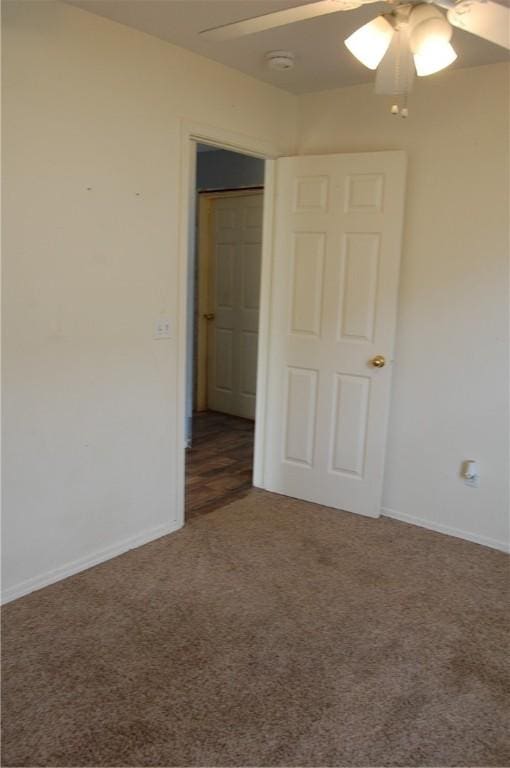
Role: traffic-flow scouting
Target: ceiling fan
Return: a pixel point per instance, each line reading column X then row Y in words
column 413, row 38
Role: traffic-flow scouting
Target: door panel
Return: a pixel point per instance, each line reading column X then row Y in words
column 350, row 408
column 307, row 270
column 337, row 240
column 234, row 288
column 358, row 286
column 300, row 415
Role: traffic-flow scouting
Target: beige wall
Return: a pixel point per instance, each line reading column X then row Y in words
column 450, row 398
column 91, row 148
column 91, row 153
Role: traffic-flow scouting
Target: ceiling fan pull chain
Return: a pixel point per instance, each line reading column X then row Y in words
column 400, row 87
column 404, row 112
column 401, row 111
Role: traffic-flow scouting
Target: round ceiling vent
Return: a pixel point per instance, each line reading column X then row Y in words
column 280, row 60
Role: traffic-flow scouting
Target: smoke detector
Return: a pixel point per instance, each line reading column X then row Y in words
column 280, row 60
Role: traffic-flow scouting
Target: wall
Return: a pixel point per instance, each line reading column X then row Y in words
column 91, row 151
column 91, row 140
column 450, row 397
column 228, row 170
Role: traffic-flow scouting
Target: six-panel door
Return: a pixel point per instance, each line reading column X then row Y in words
column 337, row 242
column 234, row 288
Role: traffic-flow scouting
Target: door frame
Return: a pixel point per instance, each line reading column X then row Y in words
column 191, row 135
column 204, row 249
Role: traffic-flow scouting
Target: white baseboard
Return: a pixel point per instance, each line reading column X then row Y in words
column 504, row 546
column 69, row 569
column 50, row 577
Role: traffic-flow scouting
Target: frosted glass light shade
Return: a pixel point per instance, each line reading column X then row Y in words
column 430, row 40
column 433, row 56
column 370, row 42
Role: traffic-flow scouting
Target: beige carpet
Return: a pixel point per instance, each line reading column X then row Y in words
column 269, row 633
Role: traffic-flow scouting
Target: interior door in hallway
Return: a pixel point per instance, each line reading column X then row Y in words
column 336, row 256
column 233, row 299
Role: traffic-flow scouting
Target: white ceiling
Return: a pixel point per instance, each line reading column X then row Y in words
column 322, row 61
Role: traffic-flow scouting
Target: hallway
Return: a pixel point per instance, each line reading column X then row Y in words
column 219, row 463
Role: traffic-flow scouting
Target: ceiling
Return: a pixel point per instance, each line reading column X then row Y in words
column 322, row 61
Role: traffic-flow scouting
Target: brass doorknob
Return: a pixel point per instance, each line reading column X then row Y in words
column 209, row 315
column 378, row 361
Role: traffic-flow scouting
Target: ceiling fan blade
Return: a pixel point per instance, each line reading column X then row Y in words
column 280, row 18
column 395, row 73
column 485, row 19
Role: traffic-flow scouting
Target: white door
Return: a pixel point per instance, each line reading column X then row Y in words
column 337, row 241
column 234, row 288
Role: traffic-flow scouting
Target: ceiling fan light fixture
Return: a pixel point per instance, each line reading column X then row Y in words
column 433, row 29
column 433, row 56
column 370, row 42
column 430, row 40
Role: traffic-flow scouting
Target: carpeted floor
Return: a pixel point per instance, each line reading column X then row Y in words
column 268, row 633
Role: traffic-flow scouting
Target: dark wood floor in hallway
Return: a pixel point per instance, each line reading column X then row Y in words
column 219, row 463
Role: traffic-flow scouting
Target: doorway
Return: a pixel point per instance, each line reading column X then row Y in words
column 223, row 344
column 331, row 252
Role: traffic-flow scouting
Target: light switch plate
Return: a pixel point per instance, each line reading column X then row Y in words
column 162, row 328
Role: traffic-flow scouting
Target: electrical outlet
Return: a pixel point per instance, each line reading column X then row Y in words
column 470, row 473
column 162, row 328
